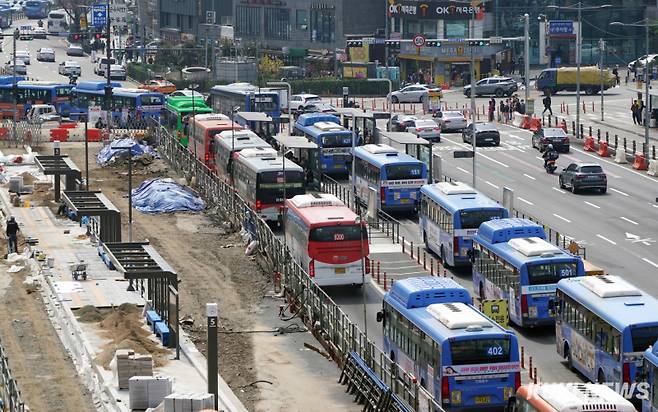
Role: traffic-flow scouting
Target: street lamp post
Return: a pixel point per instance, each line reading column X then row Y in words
column 526, row 60
column 472, row 95
column 643, row 23
column 388, row 98
column 579, row 39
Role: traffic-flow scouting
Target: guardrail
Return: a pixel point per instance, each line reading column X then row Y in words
column 10, row 395
column 329, row 324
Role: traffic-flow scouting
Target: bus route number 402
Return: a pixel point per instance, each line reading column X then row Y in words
column 495, row 351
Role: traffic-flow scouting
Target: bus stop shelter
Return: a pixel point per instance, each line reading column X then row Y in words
column 365, row 121
column 96, row 204
column 410, row 144
column 307, row 154
column 258, row 122
column 58, row 165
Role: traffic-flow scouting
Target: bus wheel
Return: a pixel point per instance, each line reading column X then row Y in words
column 481, row 291
column 392, row 356
column 601, row 376
column 567, row 354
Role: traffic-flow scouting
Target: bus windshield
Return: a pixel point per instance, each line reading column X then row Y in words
column 472, row 219
column 264, row 104
column 148, row 100
column 402, row 172
column 477, row 351
column 549, row 273
column 338, row 233
column 270, row 186
column 643, row 337
column 337, row 140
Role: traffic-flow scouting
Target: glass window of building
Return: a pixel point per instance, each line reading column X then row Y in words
column 301, row 19
column 456, row 29
column 247, row 20
column 323, row 25
column 277, row 23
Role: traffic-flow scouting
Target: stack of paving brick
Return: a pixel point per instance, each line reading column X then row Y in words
column 189, row 402
column 148, row 391
column 129, row 364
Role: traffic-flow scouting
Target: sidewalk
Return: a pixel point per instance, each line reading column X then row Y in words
column 91, row 345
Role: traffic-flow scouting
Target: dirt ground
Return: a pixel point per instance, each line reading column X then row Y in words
column 212, row 267
column 36, row 355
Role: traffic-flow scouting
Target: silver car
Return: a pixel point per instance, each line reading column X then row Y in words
column 414, row 93
column 451, row 121
column 498, row 86
column 426, row 129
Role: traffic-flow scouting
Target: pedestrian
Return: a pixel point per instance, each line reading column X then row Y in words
column 640, row 110
column 492, row 109
column 615, row 72
column 634, row 111
column 499, row 68
column 522, row 107
column 12, row 235
column 547, row 104
column 512, row 66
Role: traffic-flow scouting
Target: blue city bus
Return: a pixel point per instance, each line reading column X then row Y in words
column 603, row 326
column 334, row 154
column 395, row 177
column 6, row 16
column 513, row 261
column 36, row 9
column 650, row 374
column 245, row 97
column 34, row 92
column 462, row 357
column 127, row 104
column 450, row 215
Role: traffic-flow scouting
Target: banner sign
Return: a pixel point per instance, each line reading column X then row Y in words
column 561, row 28
column 485, row 369
column 437, row 10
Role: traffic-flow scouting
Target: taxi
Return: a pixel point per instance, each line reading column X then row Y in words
column 159, row 85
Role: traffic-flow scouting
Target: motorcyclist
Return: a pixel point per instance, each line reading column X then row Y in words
column 40, row 23
column 73, row 79
column 550, row 154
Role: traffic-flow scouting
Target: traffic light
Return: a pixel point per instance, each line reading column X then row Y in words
column 432, row 43
column 76, row 37
column 355, row 43
column 98, row 36
column 478, row 43
column 392, row 43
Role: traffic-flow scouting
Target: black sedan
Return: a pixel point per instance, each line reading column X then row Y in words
column 551, row 135
column 581, row 176
column 485, row 134
column 401, row 123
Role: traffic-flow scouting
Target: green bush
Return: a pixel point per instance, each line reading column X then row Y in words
column 334, row 87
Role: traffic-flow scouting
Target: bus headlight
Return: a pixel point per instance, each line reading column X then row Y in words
column 507, row 392
column 396, row 195
column 455, row 397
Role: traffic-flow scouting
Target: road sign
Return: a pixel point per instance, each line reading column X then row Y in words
column 99, row 15
column 419, row 40
column 497, row 310
column 462, row 154
column 496, row 40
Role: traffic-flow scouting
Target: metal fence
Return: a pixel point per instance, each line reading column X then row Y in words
column 330, row 325
column 27, row 133
column 9, row 392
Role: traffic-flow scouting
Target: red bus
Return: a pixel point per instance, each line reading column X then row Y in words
column 203, row 128
column 327, row 239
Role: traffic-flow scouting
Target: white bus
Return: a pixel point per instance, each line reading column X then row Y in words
column 229, row 142
column 568, row 397
column 57, row 22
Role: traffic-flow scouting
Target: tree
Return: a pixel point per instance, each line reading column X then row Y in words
column 75, row 9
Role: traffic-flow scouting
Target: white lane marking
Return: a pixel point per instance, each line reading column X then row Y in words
column 656, row 206
column 614, row 164
column 540, row 158
column 563, row 218
column 528, row 176
column 606, row 239
column 491, row 184
column 628, row 220
column 650, row 262
column 491, row 159
column 558, row 190
column 464, row 170
column 516, row 137
column 593, row 205
column 525, row 201
column 619, row 191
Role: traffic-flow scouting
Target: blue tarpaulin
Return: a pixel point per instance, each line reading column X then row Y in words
column 165, row 196
column 118, row 146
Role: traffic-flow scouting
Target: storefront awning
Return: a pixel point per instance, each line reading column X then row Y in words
column 419, row 57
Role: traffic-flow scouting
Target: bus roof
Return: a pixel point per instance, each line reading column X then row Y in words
column 308, row 119
column 42, row 84
column 95, row 85
column 455, row 196
column 273, row 163
column 243, row 89
column 613, row 299
column 237, row 140
column 383, row 155
column 423, row 291
column 214, row 124
column 4, row 79
column 187, row 106
column 577, row 397
column 320, row 128
column 321, row 209
column 530, row 250
column 502, row 230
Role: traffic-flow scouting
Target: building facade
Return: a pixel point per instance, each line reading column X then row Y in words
column 184, row 18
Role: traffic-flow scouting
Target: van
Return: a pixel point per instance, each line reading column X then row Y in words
column 41, row 112
column 101, row 65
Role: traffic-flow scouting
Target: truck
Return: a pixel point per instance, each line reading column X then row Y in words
column 564, row 78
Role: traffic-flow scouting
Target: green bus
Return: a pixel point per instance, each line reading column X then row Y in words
column 175, row 111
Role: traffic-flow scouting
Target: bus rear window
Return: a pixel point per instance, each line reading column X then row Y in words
column 643, row 337
column 472, row 219
column 402, row 172
column 337, row 140
column 151, row 100
column 263, row 103
column 270, row 186
column 478, row 351
column 549, row 273
column 337, row 234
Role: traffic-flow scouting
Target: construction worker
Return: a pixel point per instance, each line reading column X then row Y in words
column 12, row 235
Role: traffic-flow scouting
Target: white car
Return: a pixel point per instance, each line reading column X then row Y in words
column 69, row 68
column 186, row 92
column 101, row 65
column 46, row 54
column 117, row 72
column 75, row 50
column 298, row 101
column 639, row 62
column 451, row 120
column 39, row 33
column 426, row 129
column 414, row 93
column 23, row 55
column 21, row 68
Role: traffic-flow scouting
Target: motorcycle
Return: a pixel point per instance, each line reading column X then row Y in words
column 550, row 166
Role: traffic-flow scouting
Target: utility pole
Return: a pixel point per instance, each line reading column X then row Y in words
column 14, row 88
column 526, row 59
column 108, row 85
column 472, row 96
column 601, row 50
